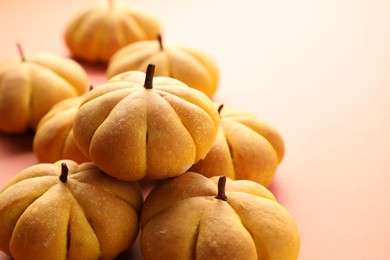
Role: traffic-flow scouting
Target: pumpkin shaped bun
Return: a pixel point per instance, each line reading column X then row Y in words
column 99, row 31
column 53, row 139
column 136, row 125
column 191, row 66
column 68, row 211
column 31, row 84
column 245, row 148
column 194, row 217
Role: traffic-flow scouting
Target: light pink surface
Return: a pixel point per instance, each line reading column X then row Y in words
column 316, row 70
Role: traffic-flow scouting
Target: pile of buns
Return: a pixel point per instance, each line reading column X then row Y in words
column 154, row 118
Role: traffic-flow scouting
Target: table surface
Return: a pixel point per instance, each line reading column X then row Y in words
column 316, row 70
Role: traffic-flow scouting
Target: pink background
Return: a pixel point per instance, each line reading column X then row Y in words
column 316, row 70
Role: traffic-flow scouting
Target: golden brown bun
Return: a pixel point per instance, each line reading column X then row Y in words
column 130, row 131
column 183, row 219
column 96, row 33
column 53, row 140
column 191, row 66
column 89, row 216
column 29, row 88
column 245, row 148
